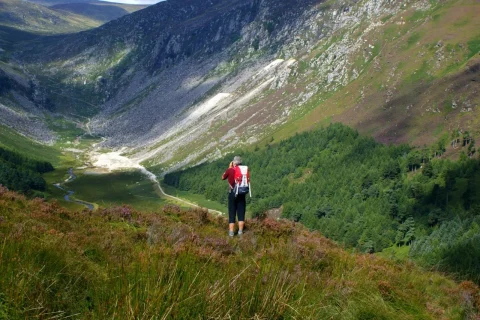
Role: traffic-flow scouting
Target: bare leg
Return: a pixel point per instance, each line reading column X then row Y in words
column 241, row 224
column 231, row 226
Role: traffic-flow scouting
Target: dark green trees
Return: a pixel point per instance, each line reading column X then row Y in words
column 354, row 190
column 20, row 173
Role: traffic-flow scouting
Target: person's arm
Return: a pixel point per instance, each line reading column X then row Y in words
column 225, row 175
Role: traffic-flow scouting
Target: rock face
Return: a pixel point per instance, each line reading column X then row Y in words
column 186, row 80
column 20, row 106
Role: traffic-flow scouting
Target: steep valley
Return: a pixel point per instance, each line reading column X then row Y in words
column 179, row 86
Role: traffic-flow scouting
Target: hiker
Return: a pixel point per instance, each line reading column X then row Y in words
column 239, row 185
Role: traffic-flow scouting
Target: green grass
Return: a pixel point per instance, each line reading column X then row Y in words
column 395, row 253
column 413, row 40
column 386, row 18
column 462, row 23
column 198, row 199
column 439, row 130
column 421, row 74
column 474, row 47
column 418, row 15
column 177, row 264
column 12, row 140
column 130, row 188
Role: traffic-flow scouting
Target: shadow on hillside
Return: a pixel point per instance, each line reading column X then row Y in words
column 462, row 259
column 11, row 36
column 399, row 120
column 102, row 12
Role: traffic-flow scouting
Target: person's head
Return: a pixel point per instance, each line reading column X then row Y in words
column 237, row 161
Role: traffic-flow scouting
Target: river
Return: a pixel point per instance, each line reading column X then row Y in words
column 69, row 193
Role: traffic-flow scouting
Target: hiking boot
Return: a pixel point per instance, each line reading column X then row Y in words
column 231, row 233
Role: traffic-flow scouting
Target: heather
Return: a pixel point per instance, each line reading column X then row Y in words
column 177, row 264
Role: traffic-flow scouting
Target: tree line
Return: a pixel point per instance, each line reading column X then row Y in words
column 21, row 173
column 358, row 192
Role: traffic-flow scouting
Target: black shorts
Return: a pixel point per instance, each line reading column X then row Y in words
column 236, row 206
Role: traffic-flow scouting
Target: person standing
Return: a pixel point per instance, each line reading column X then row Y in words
column 236, row 200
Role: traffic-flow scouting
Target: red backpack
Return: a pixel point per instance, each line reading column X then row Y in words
column 242, row 180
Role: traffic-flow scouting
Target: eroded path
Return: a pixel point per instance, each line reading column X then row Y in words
column 162, row 193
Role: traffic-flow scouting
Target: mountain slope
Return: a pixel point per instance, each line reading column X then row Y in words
column 180, row 264
column 99, row 11
column 35, row 18
column 181, row 82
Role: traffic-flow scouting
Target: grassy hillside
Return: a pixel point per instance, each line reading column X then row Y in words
column 31, row 17
column 99, row 11
column 414, row 78
column 130, row 188
column 11, row 139
column 180, row 265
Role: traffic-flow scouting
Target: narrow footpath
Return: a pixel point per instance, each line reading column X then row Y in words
column 159, row 190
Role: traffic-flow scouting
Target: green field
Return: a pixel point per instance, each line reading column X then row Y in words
column 26, row 146
column 198, row 199
column 106, row 190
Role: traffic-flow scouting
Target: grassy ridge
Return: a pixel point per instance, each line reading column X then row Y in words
column 180, row 265
column 11, row 139
column 35, row 18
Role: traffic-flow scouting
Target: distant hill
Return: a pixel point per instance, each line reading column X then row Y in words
column 34, row 18
column 60, row 18
column 55, row 2
column 22, row 101
column 103, row 13
column 129, row 7
column 96, row 10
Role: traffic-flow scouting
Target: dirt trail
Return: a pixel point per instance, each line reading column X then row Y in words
column 159, row 190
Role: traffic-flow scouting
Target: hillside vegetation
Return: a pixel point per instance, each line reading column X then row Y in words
column 34, row 18
column 20, row 173
column 180, row 265
column 362, row 193
column 97, row 10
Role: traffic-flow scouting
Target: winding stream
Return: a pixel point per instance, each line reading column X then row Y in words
column 69, row 193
